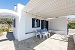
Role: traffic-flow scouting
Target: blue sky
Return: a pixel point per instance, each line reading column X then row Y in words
column 71, row 16
column 9, row 4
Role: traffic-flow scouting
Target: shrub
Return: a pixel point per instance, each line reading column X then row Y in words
column 71, row 26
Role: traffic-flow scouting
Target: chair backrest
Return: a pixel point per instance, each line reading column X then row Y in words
column 41, row 30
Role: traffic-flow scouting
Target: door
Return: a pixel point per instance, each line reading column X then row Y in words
column 44, row 24
column 47, row 25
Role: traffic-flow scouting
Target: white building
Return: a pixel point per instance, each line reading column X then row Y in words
column 52, row 11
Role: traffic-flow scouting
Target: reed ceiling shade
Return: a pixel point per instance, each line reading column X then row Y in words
column 50, row 8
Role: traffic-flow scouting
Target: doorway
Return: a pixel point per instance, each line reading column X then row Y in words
column 44, row 24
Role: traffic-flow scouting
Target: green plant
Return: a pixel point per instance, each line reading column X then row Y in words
column 6, row 21
column 71, row 26
column 7, row 30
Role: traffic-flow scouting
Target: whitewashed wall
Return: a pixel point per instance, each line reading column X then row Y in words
column 16, row 22
column 28, row 23
column 58, row 24
column 20, row 31
column 24, row 24
column 15, row 30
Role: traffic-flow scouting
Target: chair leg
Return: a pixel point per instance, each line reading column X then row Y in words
column 46, row 36
column 36, row 36
column 43, row 36
column 49, row 34
column 40, row 36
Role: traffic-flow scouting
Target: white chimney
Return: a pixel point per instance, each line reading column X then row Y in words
column 15, row 8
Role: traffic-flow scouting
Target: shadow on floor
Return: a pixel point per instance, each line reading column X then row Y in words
column 10, row 36
column 7, row 36
column 30, row 43
column 71, row 45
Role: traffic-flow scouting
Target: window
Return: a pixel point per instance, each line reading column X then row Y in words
column 14, row 22
column 38, row 23
column 35, row 23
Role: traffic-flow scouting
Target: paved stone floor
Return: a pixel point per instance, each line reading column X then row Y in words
column 6, row 41
column 55, row 42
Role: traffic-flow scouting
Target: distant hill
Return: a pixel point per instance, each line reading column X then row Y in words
column 71, row 20
column 6, row 16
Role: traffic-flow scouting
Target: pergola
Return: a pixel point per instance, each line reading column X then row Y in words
column 50, row 8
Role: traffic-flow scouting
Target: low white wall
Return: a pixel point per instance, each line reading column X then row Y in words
column 58, row 24
column 71, row 30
